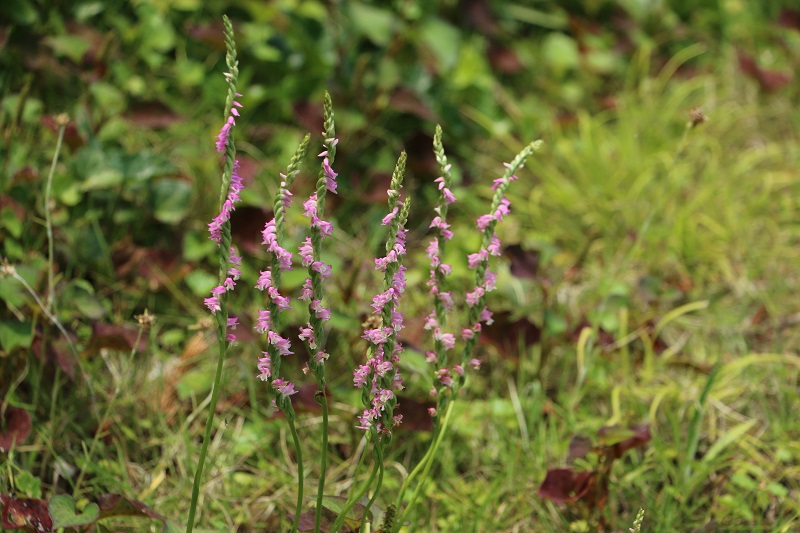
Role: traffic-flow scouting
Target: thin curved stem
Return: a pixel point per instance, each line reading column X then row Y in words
column 299, row 452
column 353, row 499
column 198, row 475
column 323, row 461
column 379, row 451
column 47, row 215
column 434, row 448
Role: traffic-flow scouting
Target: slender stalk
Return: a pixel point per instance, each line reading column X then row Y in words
column 379, row 452
column 323, row 460
column 62, row 120
column 434, row 448
column 354, row 498
column 298, row 450
column 221, row 314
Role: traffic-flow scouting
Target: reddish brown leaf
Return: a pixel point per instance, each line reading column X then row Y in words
column 308, row 115
column 504, row 59
column 562, row 485
column 72, row 137
column 415, row 414
column 30, row 514
column 152, row 114
column 524, row 263
column 404, row 100
column 118, row 338
column 579, row 447
column 506, row 334
column 15, row 427
column 118, row 505
column 212, row 33
column 58, row 352
column 247, row 223
column 639, row 437
column 789, row 18
column 768, row 80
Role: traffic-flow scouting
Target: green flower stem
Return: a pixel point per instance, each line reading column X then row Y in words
column 379, row 452
column 298, row 450
column 62, row 120
column 323, row 460
column 354, row 498
column 426, row 463
column 224, row 256
column 318, row 367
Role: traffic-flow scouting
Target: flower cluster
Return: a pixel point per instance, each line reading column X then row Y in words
column 379, row 378
column 485, row 280
column 235, row 185
column 269, row 281
column 310, row 252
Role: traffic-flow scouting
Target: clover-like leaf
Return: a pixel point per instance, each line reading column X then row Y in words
column 62, row 510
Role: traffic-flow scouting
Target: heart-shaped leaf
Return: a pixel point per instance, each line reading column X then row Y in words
column 62, row 509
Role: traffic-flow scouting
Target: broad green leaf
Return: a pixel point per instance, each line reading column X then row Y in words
column 171, row 200
column 62, row 509
column 561, row 52
column 444, row 40
column 372, row 22
column 15, row 334
column 201, row 282
column 70, row 46
column 10, row 222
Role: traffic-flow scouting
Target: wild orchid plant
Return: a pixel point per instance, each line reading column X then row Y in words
column 379, row 377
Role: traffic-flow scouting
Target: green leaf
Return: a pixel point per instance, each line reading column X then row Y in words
column 560, row 52
column 443, row 40
column 353, row 517
column 15, row 334
column 372, row 22
column 171, row 200
column 10, row 222
column 201, row 282
column 28, row 484
column 62, row 509
column 80, row 294
column 70, row 46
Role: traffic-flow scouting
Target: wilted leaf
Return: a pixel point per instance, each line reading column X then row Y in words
column 15, row 427
column 524, row 263
column 119, row 338
column 152, row 114
column 118, row 505
column 619, row 440
column 579, row 447
column 508, row 335
column 415, row 414
column 62, row 510
column 30, row 514
column 562, row 485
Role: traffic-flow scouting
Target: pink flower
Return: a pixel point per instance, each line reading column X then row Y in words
column 307, row 252
column 330, row 176
column 280, row 344
column 307, row 334
column 307, row 293
column 476, row 258
column 494, row 245
column 212, row 304
column 322, row 313
column 264, row 366
column 484, row 221
column 264, row 280
column 284, row 388
column 264, row 321
column 360, row 376
column 475, row 363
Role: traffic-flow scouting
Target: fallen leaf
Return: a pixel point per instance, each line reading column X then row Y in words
column 15, row 427
column 30, row 514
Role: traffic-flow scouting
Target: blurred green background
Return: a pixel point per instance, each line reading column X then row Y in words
column 630, row 213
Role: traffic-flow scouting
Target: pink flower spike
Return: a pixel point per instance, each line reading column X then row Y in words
column 307, row 252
